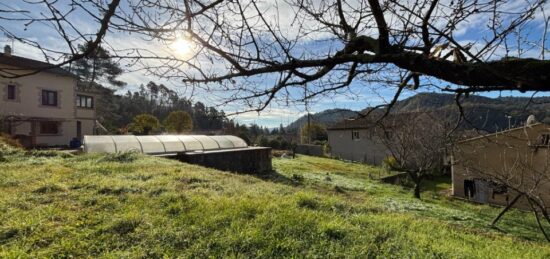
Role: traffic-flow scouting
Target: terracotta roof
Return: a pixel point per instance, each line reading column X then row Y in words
column 32, row 64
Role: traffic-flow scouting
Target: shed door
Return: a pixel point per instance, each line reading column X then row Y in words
column 482, row 191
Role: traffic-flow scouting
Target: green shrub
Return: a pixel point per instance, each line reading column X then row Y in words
column 144, row 124
column 389, row 163
column 178, row 122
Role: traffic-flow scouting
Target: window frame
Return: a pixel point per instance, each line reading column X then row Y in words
column 43, row 129
column 355, row 135
column 46, row 95
column 544, row 139
column 85, row 98
column 11, row 92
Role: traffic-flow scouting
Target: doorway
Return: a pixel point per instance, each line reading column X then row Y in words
column 79, row 130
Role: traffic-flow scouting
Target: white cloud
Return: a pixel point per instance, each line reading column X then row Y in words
column 270, row 117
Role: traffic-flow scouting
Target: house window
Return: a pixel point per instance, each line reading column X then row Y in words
column 11, row 92
column 49, row 98
column 355, row 135
column 543, row 140
column 49, row 127
column 84, row 101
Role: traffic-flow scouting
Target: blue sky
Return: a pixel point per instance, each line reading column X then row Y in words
column 358, row 96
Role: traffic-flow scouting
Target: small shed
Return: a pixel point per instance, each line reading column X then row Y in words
column 224, row 152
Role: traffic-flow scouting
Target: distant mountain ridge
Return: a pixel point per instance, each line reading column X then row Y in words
column 325, row 118
column 489, row 114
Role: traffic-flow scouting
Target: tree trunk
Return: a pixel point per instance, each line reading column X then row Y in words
column 538, row 220
column 505, row 209
column 417, row 190
column 417, row 179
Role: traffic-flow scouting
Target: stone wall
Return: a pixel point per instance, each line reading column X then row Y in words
column 252, row 160
column 310, row 150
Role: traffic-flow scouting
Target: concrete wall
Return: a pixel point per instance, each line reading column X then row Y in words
column 252, row 160
column 512, row 156
column 310, row 150
column 367, row 149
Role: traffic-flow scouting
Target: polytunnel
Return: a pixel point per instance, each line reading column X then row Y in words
column 161, row 144
column 223, row 152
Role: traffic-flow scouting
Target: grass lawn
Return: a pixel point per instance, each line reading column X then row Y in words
column 56, row 205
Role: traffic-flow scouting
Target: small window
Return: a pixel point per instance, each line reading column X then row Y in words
column 544, row 140
column 355, row 135
column 49, row 127
column 49, row 98
column 84, row 101
column 11, row 92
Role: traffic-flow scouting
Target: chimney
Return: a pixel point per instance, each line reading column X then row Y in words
column 7, row 50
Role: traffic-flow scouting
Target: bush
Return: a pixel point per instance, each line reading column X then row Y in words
column 275, row 144
column 8, row 140
column 178, row 122
column 264, row 142
column 285, row 145
column 326, row 148
column 318, row 132
column 144, row 124
column 389, row 163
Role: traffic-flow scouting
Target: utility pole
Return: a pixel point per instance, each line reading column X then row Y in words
column 308, row 116
column 509, row 121
column 308, row 128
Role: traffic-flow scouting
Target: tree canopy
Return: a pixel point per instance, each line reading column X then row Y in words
column 178, row 122
column 144, row 124
column 313, row 132
column 257, row 52
column 98, row 66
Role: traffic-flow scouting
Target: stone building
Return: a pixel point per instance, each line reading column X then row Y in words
column 494, row 168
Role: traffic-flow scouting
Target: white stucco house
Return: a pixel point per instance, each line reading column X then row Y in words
column 43, row 107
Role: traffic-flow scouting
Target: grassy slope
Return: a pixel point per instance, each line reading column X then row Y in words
column 135, row 206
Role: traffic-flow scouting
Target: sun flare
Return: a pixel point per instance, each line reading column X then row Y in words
column 182, row 46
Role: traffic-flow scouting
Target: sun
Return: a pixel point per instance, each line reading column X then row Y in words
column 182, row 46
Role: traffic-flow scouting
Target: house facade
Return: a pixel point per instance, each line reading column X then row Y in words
column 43, row 107
column 356, row 140
column 495, row 168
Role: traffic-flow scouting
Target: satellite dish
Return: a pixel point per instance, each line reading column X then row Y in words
column 531, row 120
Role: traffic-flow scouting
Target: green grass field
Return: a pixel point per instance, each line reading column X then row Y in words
column 57, row 205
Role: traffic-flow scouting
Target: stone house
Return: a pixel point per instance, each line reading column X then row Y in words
column 494, row 168
column 43, row 107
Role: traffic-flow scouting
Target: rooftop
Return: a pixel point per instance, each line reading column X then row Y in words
column 31, row 64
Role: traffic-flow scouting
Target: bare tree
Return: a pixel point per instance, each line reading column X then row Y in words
column 417, row 144
column 255, row 52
